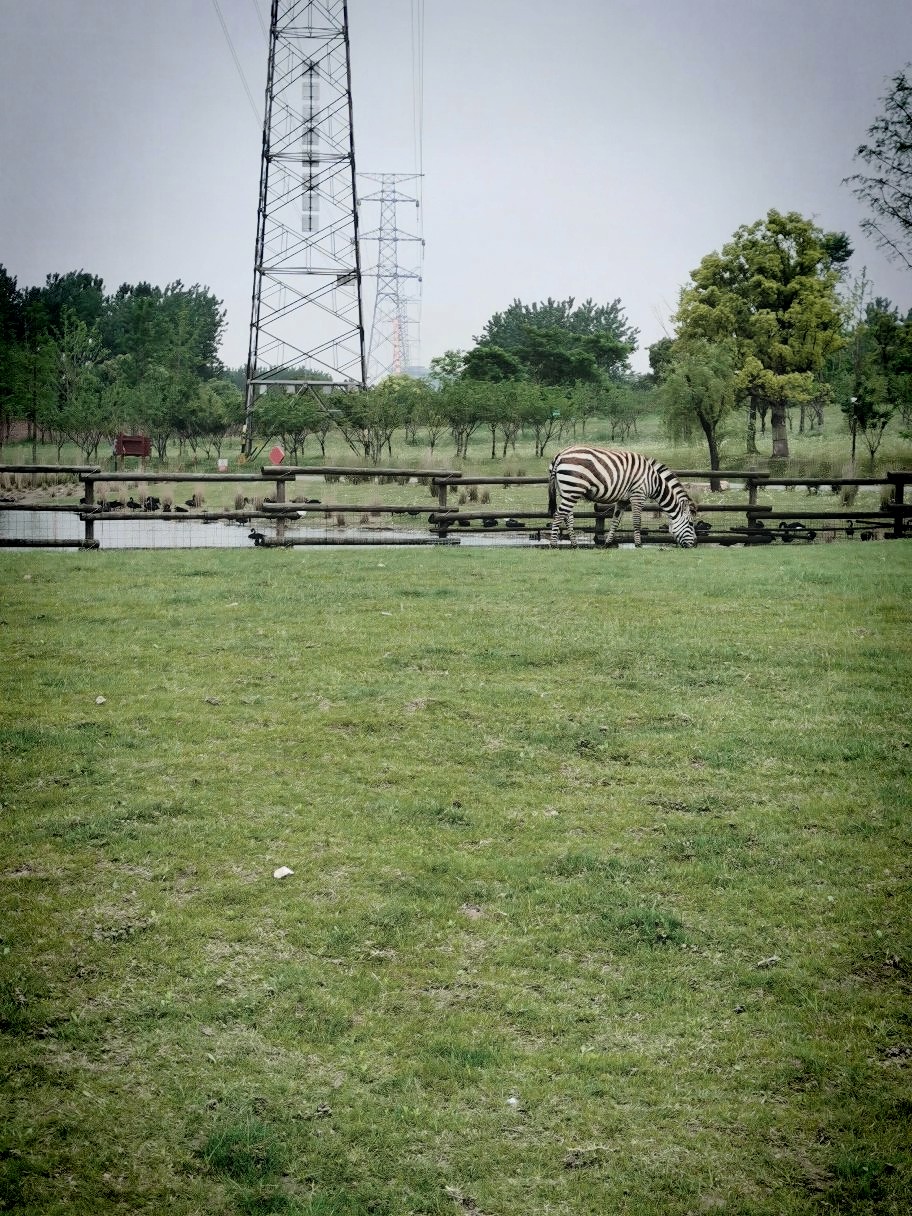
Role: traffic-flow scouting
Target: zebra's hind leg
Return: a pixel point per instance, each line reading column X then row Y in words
column 562, row 519
column 615, row 520
column 554, row 538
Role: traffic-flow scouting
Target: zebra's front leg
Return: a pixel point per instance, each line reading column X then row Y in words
column 636, row 508
column 615, row 520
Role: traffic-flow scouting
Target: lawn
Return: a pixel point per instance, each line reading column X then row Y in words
column 599, row 899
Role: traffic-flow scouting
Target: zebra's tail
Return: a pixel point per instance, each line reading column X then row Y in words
column 552, row 491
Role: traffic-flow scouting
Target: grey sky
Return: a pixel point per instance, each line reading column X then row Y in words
column 583, row 147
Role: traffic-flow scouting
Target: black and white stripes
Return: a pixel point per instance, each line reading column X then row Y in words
column 611, row 478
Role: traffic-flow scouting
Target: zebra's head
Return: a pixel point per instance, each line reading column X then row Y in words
column 681, row 521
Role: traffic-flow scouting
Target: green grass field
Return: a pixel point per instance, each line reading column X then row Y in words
column 599, row 900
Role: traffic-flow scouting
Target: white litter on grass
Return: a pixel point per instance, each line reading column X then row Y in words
column 282, row 872
column 101, row 700
column 769, row 962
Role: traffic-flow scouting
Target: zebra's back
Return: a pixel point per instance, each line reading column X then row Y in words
column 606, row 475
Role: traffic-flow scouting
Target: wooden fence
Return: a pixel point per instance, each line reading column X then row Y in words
column 890, row 517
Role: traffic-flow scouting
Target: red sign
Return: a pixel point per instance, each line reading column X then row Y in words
column 277, row 455
column 132, row 445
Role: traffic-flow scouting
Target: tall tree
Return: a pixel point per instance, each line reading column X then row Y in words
column 699, row 389
column 885, row 184
column 446, row 368
column 10, row 337
column 875, row 377
column 78, row 293
column 661, row 354
column 556, row 357
column 82, row 413
column 772, row 292
column 176, row 327
column 584, row 335
column 491, row 363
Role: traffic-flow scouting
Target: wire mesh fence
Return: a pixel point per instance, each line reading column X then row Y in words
column 338, row 505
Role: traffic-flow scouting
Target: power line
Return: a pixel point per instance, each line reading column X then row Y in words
column 418, row 83
column 418, row 135
column 263, row 26
column 237, row 63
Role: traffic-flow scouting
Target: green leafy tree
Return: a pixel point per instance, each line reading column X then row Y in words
column 465, row 405
column 10, row 340
column 176, row 327
column 623, row 404
column 292, row 418
column 82, row 406
column 556, row 357
column 553, row 343
column 772, row 292
column 431, row 417
column 369, row 419
column 661, row 354
column 885, row 184
column 492, row 364
column 503, row 413
column 446, row 368
column 541, row 410
column 145, row 353
column 876, row 375
column 86, row 417
column 76, row 293
column 33, row 368
column 584, row 403
column 221, row 414
column 510, row 329
column 699, row 390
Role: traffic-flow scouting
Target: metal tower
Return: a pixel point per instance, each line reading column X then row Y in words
column 390, row 340
column 306, row 311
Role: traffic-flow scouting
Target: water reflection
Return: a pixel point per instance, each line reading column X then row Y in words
column 222, row 534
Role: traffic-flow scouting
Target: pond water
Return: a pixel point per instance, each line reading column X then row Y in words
column 225, row 534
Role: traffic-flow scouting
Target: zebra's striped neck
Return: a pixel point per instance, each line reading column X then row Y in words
column 666, row 489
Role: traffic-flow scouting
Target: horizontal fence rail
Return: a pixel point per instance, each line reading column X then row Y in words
column 445, row 520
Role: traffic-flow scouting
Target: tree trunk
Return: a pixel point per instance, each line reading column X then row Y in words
column 779, row 427
column 712, row 442
column 751, row 444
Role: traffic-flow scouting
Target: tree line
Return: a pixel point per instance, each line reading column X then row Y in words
column 772, row 326
column 768, row 328
column 79, row 365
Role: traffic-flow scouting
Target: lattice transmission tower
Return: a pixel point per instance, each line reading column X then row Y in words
column 306, row 310
column 395, row 317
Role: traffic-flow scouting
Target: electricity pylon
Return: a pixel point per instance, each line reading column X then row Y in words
column 390, row 345
column 306, row 317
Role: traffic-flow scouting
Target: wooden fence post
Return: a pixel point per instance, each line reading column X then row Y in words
column 89, row 496
column 598, row 537
column 442, row 488
column 280, row 522
column 898, row 482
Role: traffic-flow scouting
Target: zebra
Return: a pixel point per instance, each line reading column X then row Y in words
column 609, row 478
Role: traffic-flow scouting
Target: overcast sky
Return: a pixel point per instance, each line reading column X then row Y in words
column 593, row 148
